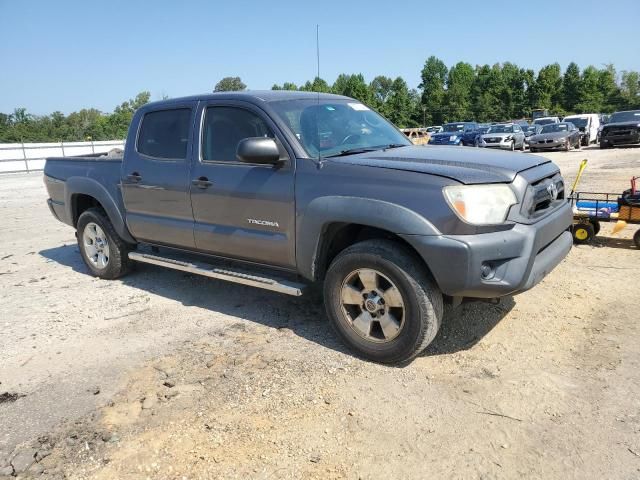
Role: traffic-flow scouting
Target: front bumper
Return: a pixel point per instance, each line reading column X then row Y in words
column 503, row 144
column 548, row 145
column 518, row 258
column 630, row 139
column 437, row 141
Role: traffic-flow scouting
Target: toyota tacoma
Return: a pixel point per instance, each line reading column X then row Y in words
column 280, row 190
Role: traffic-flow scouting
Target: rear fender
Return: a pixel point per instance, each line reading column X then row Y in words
column 90, row 187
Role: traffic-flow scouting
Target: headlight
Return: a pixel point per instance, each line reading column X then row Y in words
column 480, row 204
column 507, row 138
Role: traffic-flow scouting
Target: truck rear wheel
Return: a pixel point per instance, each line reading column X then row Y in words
column 382, row 301
column 103, row 251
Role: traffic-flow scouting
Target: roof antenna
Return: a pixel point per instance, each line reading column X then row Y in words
column 320, row 161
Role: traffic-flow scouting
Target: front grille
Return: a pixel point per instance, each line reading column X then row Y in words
column 543, row 195
column 492, row 140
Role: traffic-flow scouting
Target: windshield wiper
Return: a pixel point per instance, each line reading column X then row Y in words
column 354, row 151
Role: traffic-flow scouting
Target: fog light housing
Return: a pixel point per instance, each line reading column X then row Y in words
column 487, row 272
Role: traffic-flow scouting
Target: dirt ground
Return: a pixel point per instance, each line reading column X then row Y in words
column 168, row 375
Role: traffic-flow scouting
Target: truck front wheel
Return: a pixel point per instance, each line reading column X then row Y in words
column 103, row 251
column 382, row 301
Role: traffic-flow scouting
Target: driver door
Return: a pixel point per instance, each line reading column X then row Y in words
column 241, row 211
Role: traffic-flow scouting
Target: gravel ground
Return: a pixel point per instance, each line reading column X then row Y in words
column 168, row 375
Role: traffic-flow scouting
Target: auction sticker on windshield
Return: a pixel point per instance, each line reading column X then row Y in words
column 358, row 106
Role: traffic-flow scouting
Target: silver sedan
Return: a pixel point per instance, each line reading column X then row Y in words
column 506, row 136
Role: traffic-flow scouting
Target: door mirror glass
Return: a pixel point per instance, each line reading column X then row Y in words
column 261, row 150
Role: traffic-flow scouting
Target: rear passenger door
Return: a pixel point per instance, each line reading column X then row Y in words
column 243, row 211
column 155, row 176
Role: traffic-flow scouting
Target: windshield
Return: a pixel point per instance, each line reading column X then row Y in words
column 633, row 116
column 330, row 127
column 577, row 121
column 501, row 129
column 454, row 127
column 532, row 128
column 483, row 129
column 555, row 127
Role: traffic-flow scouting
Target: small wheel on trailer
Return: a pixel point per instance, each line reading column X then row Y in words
column 583, row 233
column 596, row 226
column 636, row 238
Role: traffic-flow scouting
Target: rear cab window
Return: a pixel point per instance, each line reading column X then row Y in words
column 164, row 134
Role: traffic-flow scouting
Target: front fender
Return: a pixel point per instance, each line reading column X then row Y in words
column 92, row 188
column 323, row 211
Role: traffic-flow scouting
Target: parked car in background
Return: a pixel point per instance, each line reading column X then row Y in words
column 434, row 129
column 546, row 120
column 483, row 128
column 507, row 136
column 457, row 133
column 522, row 122
column 588, row 124
column 530, row 131
column 623, row 128
column 562, row 135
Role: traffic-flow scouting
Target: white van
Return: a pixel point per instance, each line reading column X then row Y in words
column 588, row 124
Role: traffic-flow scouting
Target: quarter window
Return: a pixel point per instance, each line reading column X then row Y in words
column 225, row 127
column 165, row 134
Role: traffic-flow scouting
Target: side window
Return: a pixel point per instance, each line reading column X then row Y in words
column 516, row 128
column 165, row 134
column 225, row 127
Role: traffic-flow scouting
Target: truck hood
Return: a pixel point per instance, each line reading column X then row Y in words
column 463, row 164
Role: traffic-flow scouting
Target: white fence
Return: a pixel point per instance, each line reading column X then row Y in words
column 27, row 157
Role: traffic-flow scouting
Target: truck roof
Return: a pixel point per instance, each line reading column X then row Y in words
column 253, row 96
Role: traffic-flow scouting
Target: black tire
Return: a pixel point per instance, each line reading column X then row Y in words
column 585, row 141
column 422, row 301
column 604, row 145
column 513, row 145
column 596, row 226
column 567, row 145
column 636, row 238
column 118, row 263
column 578, row 144
column 533, row 150
column 523, row 147
column 583, row 233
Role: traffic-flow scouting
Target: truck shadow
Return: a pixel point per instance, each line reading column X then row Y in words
column 462, row 328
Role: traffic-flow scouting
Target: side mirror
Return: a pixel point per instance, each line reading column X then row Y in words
column 261, row 150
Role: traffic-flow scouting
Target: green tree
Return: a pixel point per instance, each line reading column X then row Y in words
column 611, row 93
column 547, row 89
column 458, row 94
column 591, row 95
column 487, row 89
column 399, row 104
column 571, row 87
column 630, row 90
column 434, row 78
column 353, row 86
column 381, row 88
column 230, row 84
column 318, row 85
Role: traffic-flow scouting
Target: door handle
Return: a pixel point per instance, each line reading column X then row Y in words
column 134, row 177
column 201, row 182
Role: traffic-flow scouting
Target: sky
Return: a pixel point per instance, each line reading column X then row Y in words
column 67, row 55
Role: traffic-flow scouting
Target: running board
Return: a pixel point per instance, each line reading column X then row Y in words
column 266, row 283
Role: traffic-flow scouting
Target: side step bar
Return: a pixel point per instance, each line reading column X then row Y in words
column 266, row 283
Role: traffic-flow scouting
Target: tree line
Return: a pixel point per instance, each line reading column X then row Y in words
column 498, row 92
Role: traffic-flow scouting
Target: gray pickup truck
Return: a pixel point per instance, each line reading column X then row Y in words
column 279, row 190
